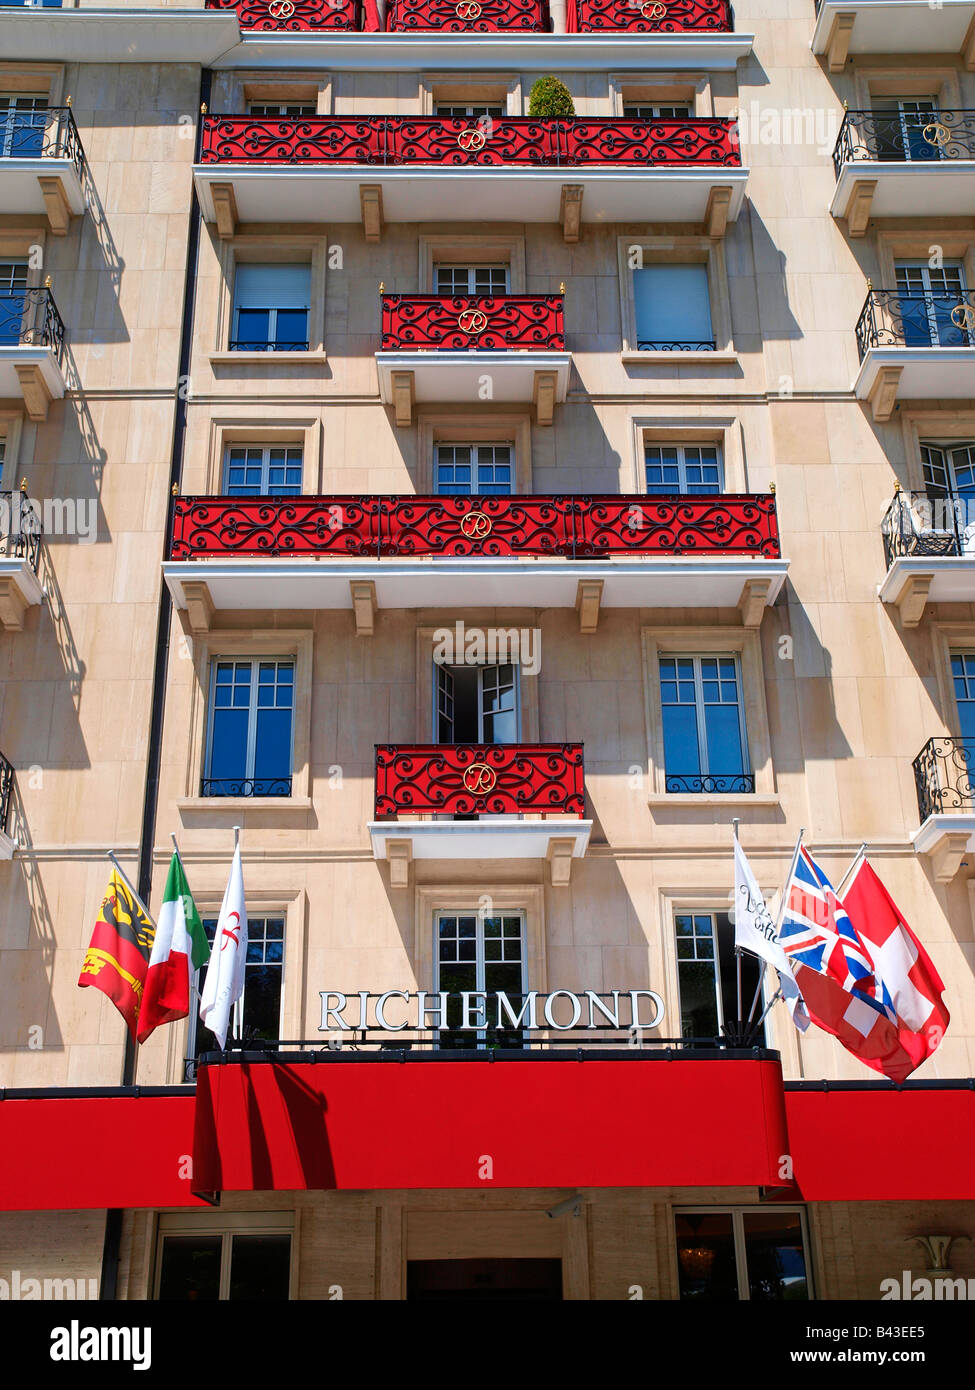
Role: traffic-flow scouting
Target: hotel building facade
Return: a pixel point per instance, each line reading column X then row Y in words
column 482, row 511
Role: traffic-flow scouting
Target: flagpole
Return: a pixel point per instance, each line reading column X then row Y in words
column 734, row 826
column 778, row 923
column 110, row 854
column 776, row 995
column 851, row 870
column 236, row 1006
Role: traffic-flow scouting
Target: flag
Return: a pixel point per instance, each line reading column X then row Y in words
column 835, row 972
column 755, row 931
column 224, row 982
column 907, row 978
column 178, row 951
column 118, row 957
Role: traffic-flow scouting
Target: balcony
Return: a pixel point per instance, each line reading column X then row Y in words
column 492, row 789
column 848, row 27
column 437, row 348
column 467, row 16
column 20, row 545
column 42, row 165
column 32, row 350
column 436, row 168
column 584, row 552
column 929, row 545
column 655, row 16
column 291, row 16
column 944, row 774
column 915, row 346
column 891, row 165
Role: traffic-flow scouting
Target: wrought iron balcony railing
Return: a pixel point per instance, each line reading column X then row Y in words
column 646, row 345
column 920, row 137
column 458, row 142
column 655, row 16
column 922, row 319
column 29, row 318
column 928, row 524
column 574, row 527
column 20, row 529
column 465, row 779
column 467, row 16
column 475, row 323
column 245, row 786
column 944, row 773
column 710, row 783
column 293, row 15
column 47, row 134
column 6, row 789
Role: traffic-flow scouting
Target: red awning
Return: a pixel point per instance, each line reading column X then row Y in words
column 543, row 1122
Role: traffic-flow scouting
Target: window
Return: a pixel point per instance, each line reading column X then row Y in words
column 13, row 285
column 470, row 279
column 949, row 469
column 928, row 298
column 271, row 304
column 707, row 975
column 899, row 124
column 454, row 109
column 476, row 704
column 694, row 469
column 745, row 1253
column 673, row 308
column 642, row 111
column 251, row 728
column 257, row 1014
column 479, row 470
column 474, row 952
column 275, row 108
column 963, row 684
column 23, row 120
column 262, row 470
column 209, row 1264
column 703, row 725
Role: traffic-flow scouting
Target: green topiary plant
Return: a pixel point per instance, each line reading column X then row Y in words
column 550, row 97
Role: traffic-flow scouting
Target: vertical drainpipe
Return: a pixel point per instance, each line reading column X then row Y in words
column 108, row 1284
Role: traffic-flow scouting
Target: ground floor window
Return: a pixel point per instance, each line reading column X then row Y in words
column 707, row 976
column 753, row 1253
column 251, row 1261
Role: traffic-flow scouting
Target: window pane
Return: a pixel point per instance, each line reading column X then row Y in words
column 681, row 755
column 672, row 304
column 706, row 1255
column 260, row 1266
column 775, row 1257
column 190, row 1268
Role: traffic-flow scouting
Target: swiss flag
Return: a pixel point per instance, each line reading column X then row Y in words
column 905, row 974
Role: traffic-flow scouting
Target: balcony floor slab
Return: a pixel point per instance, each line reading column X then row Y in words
column 456, row 376
column 897, row 26
column 491, row 837
column 952, row 577
column 20, row 189
column 942, row 187
column 927, row 373
column 120, row 35
column 42, row 357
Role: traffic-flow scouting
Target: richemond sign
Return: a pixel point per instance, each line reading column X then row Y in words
column 492, row 1009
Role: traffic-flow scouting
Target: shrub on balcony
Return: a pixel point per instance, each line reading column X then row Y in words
column 550, row 97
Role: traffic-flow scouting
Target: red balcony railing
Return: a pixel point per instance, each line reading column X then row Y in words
column 495, row 779
column 478, row 323
column 654, row 16
column 465, row 16
column 293, row 15
column 576, row 527
column 457, row 142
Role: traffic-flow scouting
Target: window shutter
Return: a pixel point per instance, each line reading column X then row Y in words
column 272, row 287
column 672, row 304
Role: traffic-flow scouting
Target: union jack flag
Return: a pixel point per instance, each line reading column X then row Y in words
column 816, row 931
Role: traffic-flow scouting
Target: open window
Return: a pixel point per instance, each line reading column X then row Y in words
column 477, row 704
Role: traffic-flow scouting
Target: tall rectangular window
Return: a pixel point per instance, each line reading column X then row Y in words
column 480, row 470
column 691, row 469
column 13, row 286
column 899, row 125
column 705, row 746
column 23, row 121
column 754, row 1254
column 673, row 308
column 949, row 469
column 476, row 704
column 262, row 470
column 474, row 952
column 250, row 731
column 257, row 1014
column 707, row 975
column 271, row 306
column 929, row 298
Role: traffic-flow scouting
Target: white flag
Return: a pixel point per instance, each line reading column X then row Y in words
column 224, row 983
column 756, row 932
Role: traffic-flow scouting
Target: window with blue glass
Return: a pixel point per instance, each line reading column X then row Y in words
column 672, row 304
column 257, row 1014
column 480, row 470
column 23, row 122
column 694, row 470
column 705, row 747
column 250, row 735
column 933, row 302
column 13, row 301
column 262, row 470
column 271, row 305
column 707, row 976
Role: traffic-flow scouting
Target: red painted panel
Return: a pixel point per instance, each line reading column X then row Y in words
column 463, row 779
column 473, row 323
column 654, row 16
column 612, row 1123
column 883, row 1145
column 93, row 1152
column 290, row 15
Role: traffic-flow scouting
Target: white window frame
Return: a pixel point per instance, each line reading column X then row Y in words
column 272, row 311
column 656, row 108
column 206, row 1226
column 480, row 961
column 237, row 1013
column 516, row 670
column 266, row 449
column 681, row 451
column 932, row 292
column 475, row 446
column 676, row 250
column 286, row 110
column 699, row 707
column 737, row 1213
column 255, row 662
column 471, row 111
column 470, row 268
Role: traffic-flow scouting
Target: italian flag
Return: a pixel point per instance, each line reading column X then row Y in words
column 179, row 949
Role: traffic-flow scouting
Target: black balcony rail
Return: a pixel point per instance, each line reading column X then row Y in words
column 645, row 345
column 47, row 134
column 20, row 528
column 30, row 318
column 928, row 524
column 710, row 783
column 6, row 790
column 245, row 786
column 922, row 319
column 943, row 774
column 908, row 137
column 266, row 345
